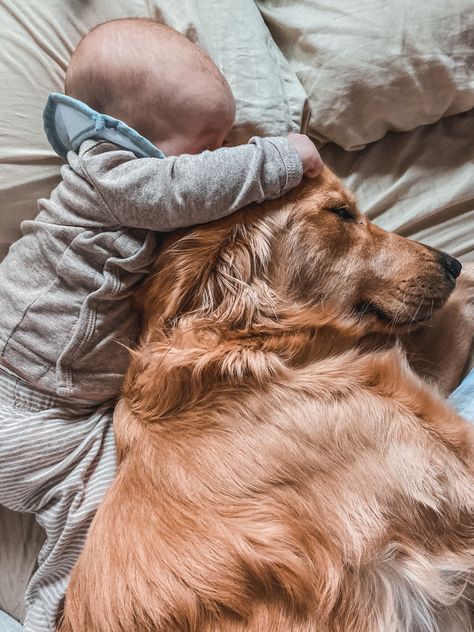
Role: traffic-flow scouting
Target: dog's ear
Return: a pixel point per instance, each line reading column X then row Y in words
column 237, row 291
column 213, row 279
column 217, row 272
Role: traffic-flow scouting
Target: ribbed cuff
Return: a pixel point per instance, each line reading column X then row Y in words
column 291, row 160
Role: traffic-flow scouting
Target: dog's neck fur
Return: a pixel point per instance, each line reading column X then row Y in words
column 216, row 320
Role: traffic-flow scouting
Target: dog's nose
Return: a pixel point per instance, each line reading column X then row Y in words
column 450, row 264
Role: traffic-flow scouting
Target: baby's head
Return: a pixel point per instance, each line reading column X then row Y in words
column 155, row 80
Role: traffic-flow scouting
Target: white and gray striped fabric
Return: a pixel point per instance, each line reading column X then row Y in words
column 57, row 459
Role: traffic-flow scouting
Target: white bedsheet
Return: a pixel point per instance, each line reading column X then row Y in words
column 419, row 184
column 374, row 66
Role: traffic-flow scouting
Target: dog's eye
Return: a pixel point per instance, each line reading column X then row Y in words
column 343, row 212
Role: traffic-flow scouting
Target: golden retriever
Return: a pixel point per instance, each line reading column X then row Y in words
column 279, row 471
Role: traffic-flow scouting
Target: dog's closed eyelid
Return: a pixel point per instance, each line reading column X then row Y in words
column 343, row 212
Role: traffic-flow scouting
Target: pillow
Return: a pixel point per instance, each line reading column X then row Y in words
column 377, row 65
column 39, row 37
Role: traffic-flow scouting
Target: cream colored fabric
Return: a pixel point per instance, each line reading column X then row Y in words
column 376, row 65
column 20, row 541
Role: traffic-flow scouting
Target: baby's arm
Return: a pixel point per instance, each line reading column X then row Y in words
column 163, row 194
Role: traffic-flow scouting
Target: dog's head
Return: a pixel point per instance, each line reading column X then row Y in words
column 332, row 254
column 304, row 259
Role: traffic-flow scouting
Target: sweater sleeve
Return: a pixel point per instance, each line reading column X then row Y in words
column 169, row 193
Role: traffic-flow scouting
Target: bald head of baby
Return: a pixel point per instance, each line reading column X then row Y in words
column 155, row 80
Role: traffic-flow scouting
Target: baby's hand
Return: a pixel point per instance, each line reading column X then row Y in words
column 312, row 163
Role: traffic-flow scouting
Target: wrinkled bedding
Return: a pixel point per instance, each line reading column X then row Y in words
column 419, row 183
column 380, row 65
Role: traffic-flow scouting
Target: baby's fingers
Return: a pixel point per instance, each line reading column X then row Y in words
column 314, row 167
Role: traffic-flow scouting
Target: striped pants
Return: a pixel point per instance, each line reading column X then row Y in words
column 57, row 460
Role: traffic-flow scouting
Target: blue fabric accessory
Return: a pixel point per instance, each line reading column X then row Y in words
column 69, row 122
column 463, row 397
column 7, row 624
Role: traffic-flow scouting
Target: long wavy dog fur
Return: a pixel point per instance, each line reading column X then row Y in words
column 279, row 470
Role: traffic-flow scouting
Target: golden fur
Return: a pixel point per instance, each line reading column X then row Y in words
column 279, row 471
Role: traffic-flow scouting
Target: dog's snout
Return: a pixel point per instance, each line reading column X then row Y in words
column 450, row 264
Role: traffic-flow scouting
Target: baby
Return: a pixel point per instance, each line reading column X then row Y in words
column 66, row 285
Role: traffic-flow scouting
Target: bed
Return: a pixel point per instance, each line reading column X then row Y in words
column 386, row 89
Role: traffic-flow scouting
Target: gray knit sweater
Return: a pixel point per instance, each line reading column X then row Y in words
column 66, row 285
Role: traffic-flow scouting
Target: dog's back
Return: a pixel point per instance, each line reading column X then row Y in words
column 320, row 504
